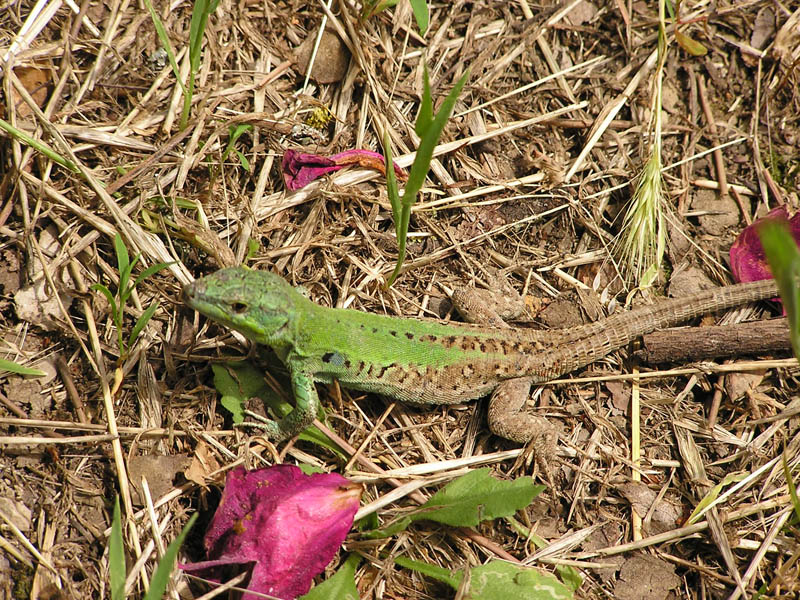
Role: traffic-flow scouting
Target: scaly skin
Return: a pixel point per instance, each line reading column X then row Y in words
column 421, row 361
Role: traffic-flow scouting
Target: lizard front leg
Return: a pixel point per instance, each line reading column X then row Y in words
column 306, row 406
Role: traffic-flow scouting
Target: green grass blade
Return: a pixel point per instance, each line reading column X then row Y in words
column 420, row 8
column 12, row 367
column 430, row 137
column 202, row 9
column 116, row 556
column 99, row 287
column 141, row 322
column 425, row 115
column 787, row 472
column 391, row 178
column 37, row 145
column 151, row 270
column 419, row 170
column 123, row 262
column 158, row 584
column 164, row 39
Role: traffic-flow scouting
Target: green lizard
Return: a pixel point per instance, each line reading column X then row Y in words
column 426, row 361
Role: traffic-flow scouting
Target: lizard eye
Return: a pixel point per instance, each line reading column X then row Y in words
column 238, row 307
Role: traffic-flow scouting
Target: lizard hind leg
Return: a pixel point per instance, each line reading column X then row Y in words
column 508, row 419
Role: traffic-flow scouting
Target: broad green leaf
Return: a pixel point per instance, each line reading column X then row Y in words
column 476, row 497
column 341, row 586
column 116, row 555
column 158, row 583
column 235, row 406
column 783, row 257
column 497, row 580
column 237, row 382
column 468, row 500
column 570, row 576
column 12, row 367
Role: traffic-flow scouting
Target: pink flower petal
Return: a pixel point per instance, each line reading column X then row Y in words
column 300, row 168
column 369, row 160
column 285, row 525
column 748, row 262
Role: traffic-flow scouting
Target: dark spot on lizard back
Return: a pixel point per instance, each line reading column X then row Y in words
column 409, row 335
column 393, row 333
column 328, row 356
column 374, row 330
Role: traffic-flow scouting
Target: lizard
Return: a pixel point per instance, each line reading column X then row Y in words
column 425, row 361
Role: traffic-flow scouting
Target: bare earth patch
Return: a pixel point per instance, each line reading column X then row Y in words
column 538, row 165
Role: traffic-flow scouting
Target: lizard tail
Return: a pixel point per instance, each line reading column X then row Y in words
column 584, row 345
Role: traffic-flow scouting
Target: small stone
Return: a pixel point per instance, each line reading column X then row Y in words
column 330, row 63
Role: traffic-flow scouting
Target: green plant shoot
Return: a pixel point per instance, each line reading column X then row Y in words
column 429, row 128
column 118, row 303
column 419, row 8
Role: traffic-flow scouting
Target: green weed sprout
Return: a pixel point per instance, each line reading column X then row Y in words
column 200, row 13
column 428, row 127
column 234, row 133
column 419, row 8
column 125, row 266
column 116, row 560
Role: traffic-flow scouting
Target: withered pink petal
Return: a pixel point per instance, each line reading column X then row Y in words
column 367, row 159
column 300, row 168
column 748, row 261
column 286, row 525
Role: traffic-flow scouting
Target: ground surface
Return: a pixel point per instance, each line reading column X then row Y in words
column 533, row 188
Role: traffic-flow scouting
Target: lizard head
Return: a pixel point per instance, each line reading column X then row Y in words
column 256, row 303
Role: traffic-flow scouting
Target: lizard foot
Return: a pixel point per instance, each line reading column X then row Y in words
column 270, row 429
column 508, row 419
